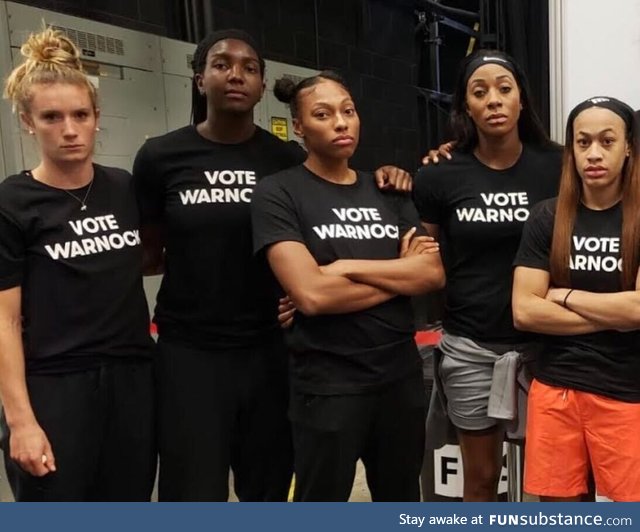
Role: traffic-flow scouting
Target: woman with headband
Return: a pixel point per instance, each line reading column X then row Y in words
column 576, row 282
column 476, row 205
column 76, row 370
column 222, row 374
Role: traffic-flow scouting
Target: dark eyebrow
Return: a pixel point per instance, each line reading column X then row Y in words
column 326, row 104
column 500, row 77
column 609, row 129
column 225, row 55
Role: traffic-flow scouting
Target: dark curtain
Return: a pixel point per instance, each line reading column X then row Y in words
column 527, row 28
column 190, row 20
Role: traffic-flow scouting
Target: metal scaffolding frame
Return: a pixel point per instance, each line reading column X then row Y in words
column 486, row 27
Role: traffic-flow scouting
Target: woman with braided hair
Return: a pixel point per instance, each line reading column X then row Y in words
column 76, row 379
column 222, row 377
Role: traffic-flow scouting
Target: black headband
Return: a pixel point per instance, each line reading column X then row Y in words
column 612, row 104
column 486, row 59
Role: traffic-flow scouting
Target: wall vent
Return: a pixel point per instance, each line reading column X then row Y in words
column 93, row 42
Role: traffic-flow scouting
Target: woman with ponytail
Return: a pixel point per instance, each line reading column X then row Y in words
column 476, row 204
column 75, row 352
column 576, row 282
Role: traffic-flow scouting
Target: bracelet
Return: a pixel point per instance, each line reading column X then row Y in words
column 564, row 301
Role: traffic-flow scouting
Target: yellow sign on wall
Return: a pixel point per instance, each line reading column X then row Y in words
column 280, row 128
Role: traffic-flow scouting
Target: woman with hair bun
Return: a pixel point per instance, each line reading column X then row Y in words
column 76, row 379
column 348, row 256
column 222, row 372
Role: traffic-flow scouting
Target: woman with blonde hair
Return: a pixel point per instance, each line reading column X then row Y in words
column 75, row 352
column 576, row 282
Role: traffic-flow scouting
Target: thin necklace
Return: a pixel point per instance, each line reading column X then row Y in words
column 83, row 201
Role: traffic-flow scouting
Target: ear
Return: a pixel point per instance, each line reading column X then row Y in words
column 27, row 121
column 297, row 128
column 97, row 111
column 627, row 149
column 198, row 78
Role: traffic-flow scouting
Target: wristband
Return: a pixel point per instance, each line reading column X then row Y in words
column 564, row 301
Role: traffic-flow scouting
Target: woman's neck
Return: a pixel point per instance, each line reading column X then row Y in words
column 600, row 199
column 227, row 128
column 499, row 152
column 334, row 170
column 75, row 174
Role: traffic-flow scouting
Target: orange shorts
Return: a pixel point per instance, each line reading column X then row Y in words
column 569, row 431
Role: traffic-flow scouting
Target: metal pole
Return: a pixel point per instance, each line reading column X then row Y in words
column 514, row 472
column 434, row 34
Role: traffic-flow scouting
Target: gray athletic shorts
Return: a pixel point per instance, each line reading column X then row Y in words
column 467, row 373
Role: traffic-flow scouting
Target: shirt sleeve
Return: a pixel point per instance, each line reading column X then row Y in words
column 149, row 188
column 297, row 153
column 273, row 215
column 12, row 252
column 535, row 244
column 408, row 216
column 427, row 197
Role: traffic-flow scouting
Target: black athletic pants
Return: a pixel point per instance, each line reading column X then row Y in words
column 100, row 424
column 384, row 428
column 220, row 410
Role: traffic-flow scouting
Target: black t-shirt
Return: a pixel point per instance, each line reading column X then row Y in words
column 341, row 353
column 213, row 294
column 79, row 271
column 481, row 213
column 607, row 362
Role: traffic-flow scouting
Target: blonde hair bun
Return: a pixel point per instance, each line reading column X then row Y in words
column 51, row 46
column 49, row 57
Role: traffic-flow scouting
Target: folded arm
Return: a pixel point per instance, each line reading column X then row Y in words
column 418, row 269
column 408, row 276
column 613, row 310
column 314, row 292
column 533, row 312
